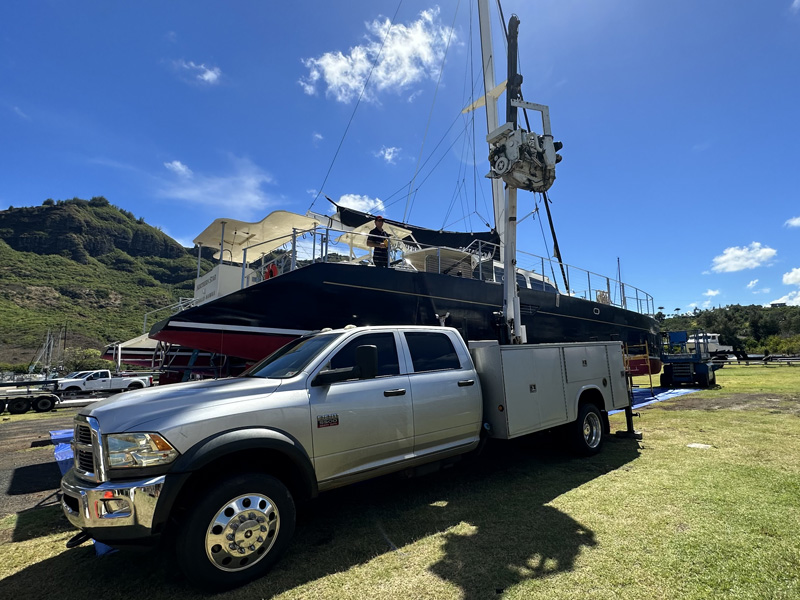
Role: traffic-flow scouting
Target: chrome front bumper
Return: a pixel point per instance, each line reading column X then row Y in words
column 123, row 509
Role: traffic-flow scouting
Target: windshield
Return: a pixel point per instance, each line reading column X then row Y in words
column 291, row 359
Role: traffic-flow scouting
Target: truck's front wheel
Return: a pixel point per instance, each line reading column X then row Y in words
column 236, row 530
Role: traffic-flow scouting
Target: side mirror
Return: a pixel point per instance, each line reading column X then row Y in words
column 366, row 368
column 334, row 376
column 367, row 362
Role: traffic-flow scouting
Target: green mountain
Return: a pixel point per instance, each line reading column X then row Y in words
column 88, row 265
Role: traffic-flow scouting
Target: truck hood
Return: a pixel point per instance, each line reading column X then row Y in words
column 129, row 411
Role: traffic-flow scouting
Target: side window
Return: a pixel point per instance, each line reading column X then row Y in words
column 521, row 281
column 387, row 353
column 431, row 352
column 498, row 274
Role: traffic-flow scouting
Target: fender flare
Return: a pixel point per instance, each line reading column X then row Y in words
column 590, row 388
column 228, row 442
column 251, row 438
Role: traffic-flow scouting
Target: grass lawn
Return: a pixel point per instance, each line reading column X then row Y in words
column 654, row 519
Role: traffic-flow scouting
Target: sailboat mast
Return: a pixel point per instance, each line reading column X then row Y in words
column 521, row 159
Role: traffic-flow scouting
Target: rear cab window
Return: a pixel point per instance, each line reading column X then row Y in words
column 431, row 351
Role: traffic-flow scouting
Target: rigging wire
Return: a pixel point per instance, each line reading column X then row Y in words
column 544, row 241
column 358, row 102
column 409, row 201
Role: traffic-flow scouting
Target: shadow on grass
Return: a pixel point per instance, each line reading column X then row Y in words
column 39, row 522
column 34, row 478
column 491, row 512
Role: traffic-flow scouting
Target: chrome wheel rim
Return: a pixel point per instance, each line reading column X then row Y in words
column 242, row 532
column 592, row 432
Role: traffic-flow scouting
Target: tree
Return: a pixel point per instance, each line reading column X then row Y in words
column 85, row 359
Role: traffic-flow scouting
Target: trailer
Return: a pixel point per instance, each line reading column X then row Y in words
column 687, row 360
column 19, row 397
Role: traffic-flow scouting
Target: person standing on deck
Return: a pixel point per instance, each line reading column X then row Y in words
column 378, row 240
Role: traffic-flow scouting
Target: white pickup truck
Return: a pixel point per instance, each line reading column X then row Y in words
column 101, row 380
column 220, row 464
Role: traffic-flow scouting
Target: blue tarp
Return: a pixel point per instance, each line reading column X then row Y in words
column 643, row 397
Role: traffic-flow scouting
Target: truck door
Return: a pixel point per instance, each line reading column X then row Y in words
column 362, row 424
column 99, row 380
column 446, row 393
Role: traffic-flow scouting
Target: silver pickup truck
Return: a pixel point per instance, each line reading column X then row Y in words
column 222, row 463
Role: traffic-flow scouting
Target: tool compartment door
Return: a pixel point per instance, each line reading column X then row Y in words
column 534, row 388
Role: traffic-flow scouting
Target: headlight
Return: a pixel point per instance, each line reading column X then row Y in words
column 138, row 450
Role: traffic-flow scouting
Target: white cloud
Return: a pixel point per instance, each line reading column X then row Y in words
column 711, row 293
column 795, row 7
column 316, row 138
column 18, row 111
column 790, row 299
column 171, row 37
column 741, row 258
column 179, row 168
column 183, row 241
column 794, row 221
column 414, row 95
column 240, row 191
column 707, row 304
column 362, row 203
column 792, row 277
column 209, row 75
column 752, row 284
column 388, row 154
column 410, row 53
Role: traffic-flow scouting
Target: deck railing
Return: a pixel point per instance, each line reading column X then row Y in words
column 324, row 244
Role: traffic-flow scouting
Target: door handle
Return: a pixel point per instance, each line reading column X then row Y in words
column 466, row 382
column 397, row 392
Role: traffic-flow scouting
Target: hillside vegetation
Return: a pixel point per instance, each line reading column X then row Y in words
column 753, row 329
column 85, row 264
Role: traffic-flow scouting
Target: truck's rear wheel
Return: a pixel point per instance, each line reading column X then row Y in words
column 43, row 404
column 19, row 406
column 236, row 531
column 587, row 430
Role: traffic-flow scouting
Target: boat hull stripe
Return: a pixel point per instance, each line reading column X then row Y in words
column 239, row 328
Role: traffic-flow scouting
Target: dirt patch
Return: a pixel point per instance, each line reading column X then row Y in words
column 775, row 403
column 28, row 472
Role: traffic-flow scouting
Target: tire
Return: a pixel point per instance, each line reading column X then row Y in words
column 664, row 380
column 19, row 406
column 43, row 404
column 712, row 379
column 135, row 386
column 2, row 406
column 586, row 432
column 702, row 380
column 213, row 545
column 71, row 392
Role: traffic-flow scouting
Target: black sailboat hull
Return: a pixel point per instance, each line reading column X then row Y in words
column 257, row 320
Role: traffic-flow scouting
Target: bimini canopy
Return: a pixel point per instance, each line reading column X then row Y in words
column 272, row 232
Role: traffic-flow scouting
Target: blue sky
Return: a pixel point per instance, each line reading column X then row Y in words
column 679, row 123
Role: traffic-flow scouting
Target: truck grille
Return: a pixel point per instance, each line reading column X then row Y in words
column 84, row 461
column 86, row 447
